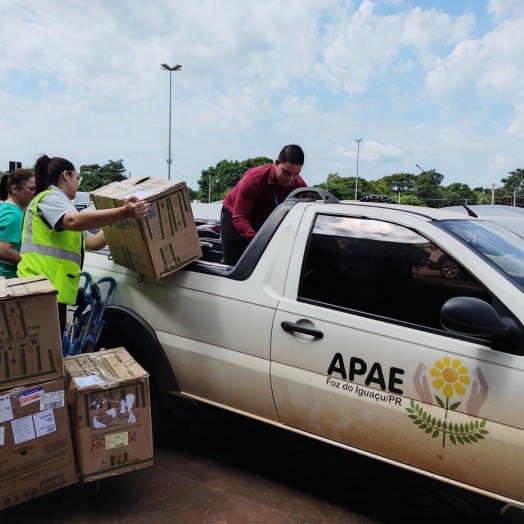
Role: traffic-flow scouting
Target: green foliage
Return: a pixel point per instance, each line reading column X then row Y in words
column 216, row 182
column 192, row 194
column 424, row 189
column 428, row 189
column 95, row 176
column 457, row 194
column 411, row 200
column 400, row 182
column 514, row 182
column 339, row 187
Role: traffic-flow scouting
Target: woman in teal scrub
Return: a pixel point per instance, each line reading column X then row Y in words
column 16, row 190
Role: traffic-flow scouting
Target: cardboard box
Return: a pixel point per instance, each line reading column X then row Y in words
column 30, row 338
column 36, row 450
column 163, row 242
column 110, row 409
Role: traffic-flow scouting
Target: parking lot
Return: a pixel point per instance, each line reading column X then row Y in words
column 218, row 468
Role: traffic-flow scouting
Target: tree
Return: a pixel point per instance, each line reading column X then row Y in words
column 192, row 194
column 343, row 188
column 95, row 176
column 400, row 182
column 216, row 182
column 428, row 189
column 458, row 193
column 514, row 182
column 513, row 185
column 340, row 187
column 411, row 200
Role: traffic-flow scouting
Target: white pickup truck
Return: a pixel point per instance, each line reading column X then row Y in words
column 335, row 324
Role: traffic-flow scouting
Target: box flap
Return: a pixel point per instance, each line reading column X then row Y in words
column 101, row 370
column 140, row 186
column 25, row 286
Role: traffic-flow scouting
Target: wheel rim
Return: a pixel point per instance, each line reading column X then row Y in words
column 450, row 269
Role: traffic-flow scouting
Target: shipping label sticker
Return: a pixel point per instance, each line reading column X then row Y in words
column 117, row 440
column 142, row 194
column 23, row 429
column 91, row 380
column 2, row 435
column 28, row 397
column 44, row 422
column 52, row 400
column 6, row 411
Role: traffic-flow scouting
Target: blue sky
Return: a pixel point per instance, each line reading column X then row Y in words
column 438, row 84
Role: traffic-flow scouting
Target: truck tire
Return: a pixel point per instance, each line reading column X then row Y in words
column 123, row 328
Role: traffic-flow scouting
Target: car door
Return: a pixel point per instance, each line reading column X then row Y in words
column 359, row 355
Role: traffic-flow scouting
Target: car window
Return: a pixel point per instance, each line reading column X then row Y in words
column 503, row 248
column 379, row 268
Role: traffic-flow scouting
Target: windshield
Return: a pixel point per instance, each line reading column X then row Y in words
column 499, row 245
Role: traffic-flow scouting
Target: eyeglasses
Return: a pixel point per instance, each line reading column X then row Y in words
column 30, row 188
column 79, row 178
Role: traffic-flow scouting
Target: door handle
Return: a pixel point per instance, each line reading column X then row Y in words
column 289, row 326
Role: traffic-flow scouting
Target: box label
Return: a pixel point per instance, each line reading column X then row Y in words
column 6, row 411
column 117, row 440
column 91, row 380
column 23, row 429
column 28, row 397
column 2, row 435
column 52, row 400
column 44, row 422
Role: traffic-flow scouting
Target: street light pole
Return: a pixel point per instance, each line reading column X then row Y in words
column 165, row 67
column 358, row 152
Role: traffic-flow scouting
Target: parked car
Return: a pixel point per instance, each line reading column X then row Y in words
column 209, row 230
column 511, row 217
column 446, row 265
column 331, row 326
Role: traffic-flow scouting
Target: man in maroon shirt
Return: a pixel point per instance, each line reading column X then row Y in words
column 248, row 205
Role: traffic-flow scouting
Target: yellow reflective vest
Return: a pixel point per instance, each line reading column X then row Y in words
column 57, row 255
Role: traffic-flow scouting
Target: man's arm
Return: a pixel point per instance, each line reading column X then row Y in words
column 244, row 202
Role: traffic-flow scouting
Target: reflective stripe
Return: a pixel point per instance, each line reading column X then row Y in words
column 29, row 222
column 30, row 247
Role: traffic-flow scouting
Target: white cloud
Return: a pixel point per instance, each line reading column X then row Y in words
column 502, row 9
column 372, row 151
column 82, row 79
column 502, row 163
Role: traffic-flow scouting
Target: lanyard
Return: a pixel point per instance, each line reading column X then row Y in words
column 276, row 199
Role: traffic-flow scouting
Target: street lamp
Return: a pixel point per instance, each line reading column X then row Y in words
column 358, row 152
column 165, row 67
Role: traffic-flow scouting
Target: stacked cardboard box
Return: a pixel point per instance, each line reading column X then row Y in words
column 163, row 242
column 110, row 408
column 36, row 449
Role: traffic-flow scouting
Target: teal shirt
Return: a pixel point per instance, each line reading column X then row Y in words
column 11, row 218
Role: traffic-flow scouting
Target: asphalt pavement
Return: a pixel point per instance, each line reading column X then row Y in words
column 214, row 467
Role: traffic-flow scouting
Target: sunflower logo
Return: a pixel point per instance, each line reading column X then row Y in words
column 451, row 377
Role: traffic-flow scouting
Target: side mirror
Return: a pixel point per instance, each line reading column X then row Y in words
column 473, row 317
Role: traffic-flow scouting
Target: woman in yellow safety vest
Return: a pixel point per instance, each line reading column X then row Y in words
column 52, row 241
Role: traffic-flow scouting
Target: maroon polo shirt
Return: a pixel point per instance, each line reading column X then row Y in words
column 255, row 196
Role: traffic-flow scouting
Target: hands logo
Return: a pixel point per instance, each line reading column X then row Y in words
column 453, row 379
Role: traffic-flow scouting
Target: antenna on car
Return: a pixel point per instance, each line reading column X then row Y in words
column 470, row 212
